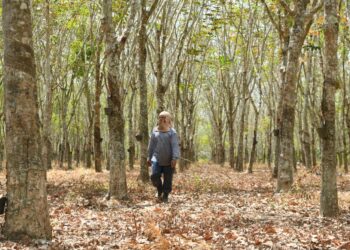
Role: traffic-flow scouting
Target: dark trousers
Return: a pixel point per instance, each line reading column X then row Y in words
column 167, row 171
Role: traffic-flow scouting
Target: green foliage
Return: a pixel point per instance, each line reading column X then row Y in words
column 120, row 10
column 186, row 86
column 224, row 61
column 71, row 24
column 80, row 55
column 265, row 124
column 75, row 58
column 203, row 136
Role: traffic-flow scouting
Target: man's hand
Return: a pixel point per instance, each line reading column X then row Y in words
column 173, row 163
column 149, row 163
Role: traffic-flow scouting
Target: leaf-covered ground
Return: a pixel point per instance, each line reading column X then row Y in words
column 211, row 207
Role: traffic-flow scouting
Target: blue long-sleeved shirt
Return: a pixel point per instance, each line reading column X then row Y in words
column 163, row 147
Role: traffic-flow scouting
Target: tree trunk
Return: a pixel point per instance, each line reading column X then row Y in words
column 1, row 152
column 306, row 140
column 286, row 162
column 246, row 132
column 306, row 129
column 143, row 118
column 88, row 152
column 230, row 124
column 240, row 148
column 347, row 124
column 131, row 149
column 97, row 109
column 114, row 110
column 160, row 46
column 345, row 150
column 47, row 149
column 77, row 153
column 27, row 211
column 69, row 157
column 278, row 122
column 219, row 149
column 269, row 146
column 313, row 147
column 186, row 98
column 329, row 195
column 344, row 111
column 255, row 141
column 143, row 122
column 276, row 133
column 63, row 120
column 181, row 123
column 60, row 155
column 301, row 133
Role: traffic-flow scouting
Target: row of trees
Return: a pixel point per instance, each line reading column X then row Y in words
column 217, row 66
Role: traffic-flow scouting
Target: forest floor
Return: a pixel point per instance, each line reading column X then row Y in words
column 211, row 207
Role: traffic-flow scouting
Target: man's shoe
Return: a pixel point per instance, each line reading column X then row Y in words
column 165, row 198
column 159, row 197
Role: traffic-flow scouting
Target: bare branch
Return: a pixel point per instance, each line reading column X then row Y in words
column 315, row 8
column 152, row 9
column 123, row 38
column 287, row 8
column 278, row 28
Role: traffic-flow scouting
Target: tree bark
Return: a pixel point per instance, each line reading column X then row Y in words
column 230, row 123
column 143, row 118
column 114, row 110
column 27, row 212
column 160, row 49
column 255, row 141
column 88, row 149
column 313, row 147
column 97, row 108
column 301, row 156
column 344, row 114
column 240, row 148
column 284, row 35
column 277, row 136
column 69, row 156
column 64, row 109
column 269, row 146
column 131, row 149
column 299, row 31
column 216, row 105
column 246, row 140
column 306, row 128
column 329, row 196
column 47, row 115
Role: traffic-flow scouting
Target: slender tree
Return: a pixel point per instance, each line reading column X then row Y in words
column 47, row 114
column 306, row 138
column 282, row 26
column 115, row 100
column 329, row 195
column 97, row 108
column 143, row 117
column 168, row 45
column 252, row 158
column 302, row 17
